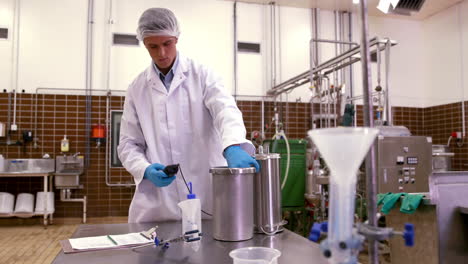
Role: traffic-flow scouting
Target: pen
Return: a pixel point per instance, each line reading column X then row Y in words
column 113, row 241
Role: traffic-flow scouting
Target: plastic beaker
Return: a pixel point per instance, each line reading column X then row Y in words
column 255, row 255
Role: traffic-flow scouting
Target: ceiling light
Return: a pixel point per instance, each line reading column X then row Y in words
column 384, row 5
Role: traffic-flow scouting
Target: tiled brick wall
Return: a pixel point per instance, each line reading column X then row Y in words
column 410, row 117
column 56, row 116
column 439, row 122
column 295, row 116
column 59, row 114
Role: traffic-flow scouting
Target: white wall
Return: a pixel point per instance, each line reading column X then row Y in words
column 295, row 35
column 6, row 20
column 52, row 44
column 251, row 25
column 425, row 65
column 407, row 76
column 206, row 36
column 446, row 51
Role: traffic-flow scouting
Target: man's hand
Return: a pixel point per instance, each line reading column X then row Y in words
column 237, row 158
column 155, row 174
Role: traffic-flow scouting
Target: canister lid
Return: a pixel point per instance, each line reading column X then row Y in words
column 231, row 171
column 267, row 156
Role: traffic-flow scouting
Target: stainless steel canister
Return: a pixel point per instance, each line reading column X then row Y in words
column 268, row 218
column 233, row 207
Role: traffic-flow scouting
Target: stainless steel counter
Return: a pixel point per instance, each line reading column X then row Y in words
column 294, row 248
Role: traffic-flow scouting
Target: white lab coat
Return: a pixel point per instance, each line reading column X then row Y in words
column 191, row 125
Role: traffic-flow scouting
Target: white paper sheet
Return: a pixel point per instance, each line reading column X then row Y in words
column 91, row 242
column 130, row 239
column 110, row 241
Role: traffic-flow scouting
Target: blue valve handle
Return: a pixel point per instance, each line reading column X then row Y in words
column 161, row 243
column 324, row 227
column 157, row 242
column 408, row 235
column 316, row 231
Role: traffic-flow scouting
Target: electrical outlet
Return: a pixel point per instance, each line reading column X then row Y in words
column 14, row 127
column 459, row 135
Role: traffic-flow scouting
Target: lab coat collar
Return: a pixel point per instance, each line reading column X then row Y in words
column 180, row 75
column 153, row 80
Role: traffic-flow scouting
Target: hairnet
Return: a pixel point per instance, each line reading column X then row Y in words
column 157, row 22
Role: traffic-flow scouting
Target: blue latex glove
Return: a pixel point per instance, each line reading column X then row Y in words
column 156, row 175
column 237, row 158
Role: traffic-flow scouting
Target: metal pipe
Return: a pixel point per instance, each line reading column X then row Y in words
column 110, row 22
column 65, row 195
column 263, row 119
column 89, row 78
column 234, row 17
column 379, row 79
column 75, row 89
column 321, row 115
column 254, row 96
column 9, row 120
column 313, row 49
column 285, row 123
column 342, row 46
column 107, row 121
column 35, row 121
column 317, row 34
column 280, row 88
column 279, row 47
column 379, row 62
column 313, row 61
column 312, row 64
column 335, row 116
column 273, row 8
column 388, row 105
column 15, row 57
column 371, row 176
column 350, row 38
column 335, row 74
column 357, row 97
column 341, row 66
column 329, row 111
column 335, row 41
column 462, row 70
column 271, row 49
column 109, row 92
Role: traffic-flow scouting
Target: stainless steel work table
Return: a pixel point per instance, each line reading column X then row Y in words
column 294, row 248
column 47, row 187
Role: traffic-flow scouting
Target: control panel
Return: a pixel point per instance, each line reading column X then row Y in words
column 404, row 164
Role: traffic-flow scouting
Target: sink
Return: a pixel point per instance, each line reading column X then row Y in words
column 29, row 165
column 68, row 171
column 69, row 165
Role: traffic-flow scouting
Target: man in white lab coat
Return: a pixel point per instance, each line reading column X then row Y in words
column 176, row 111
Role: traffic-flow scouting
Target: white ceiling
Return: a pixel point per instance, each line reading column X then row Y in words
column 429, row 8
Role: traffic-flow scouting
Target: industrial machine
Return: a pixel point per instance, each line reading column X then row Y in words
column 404, row 163
column 344, row 149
